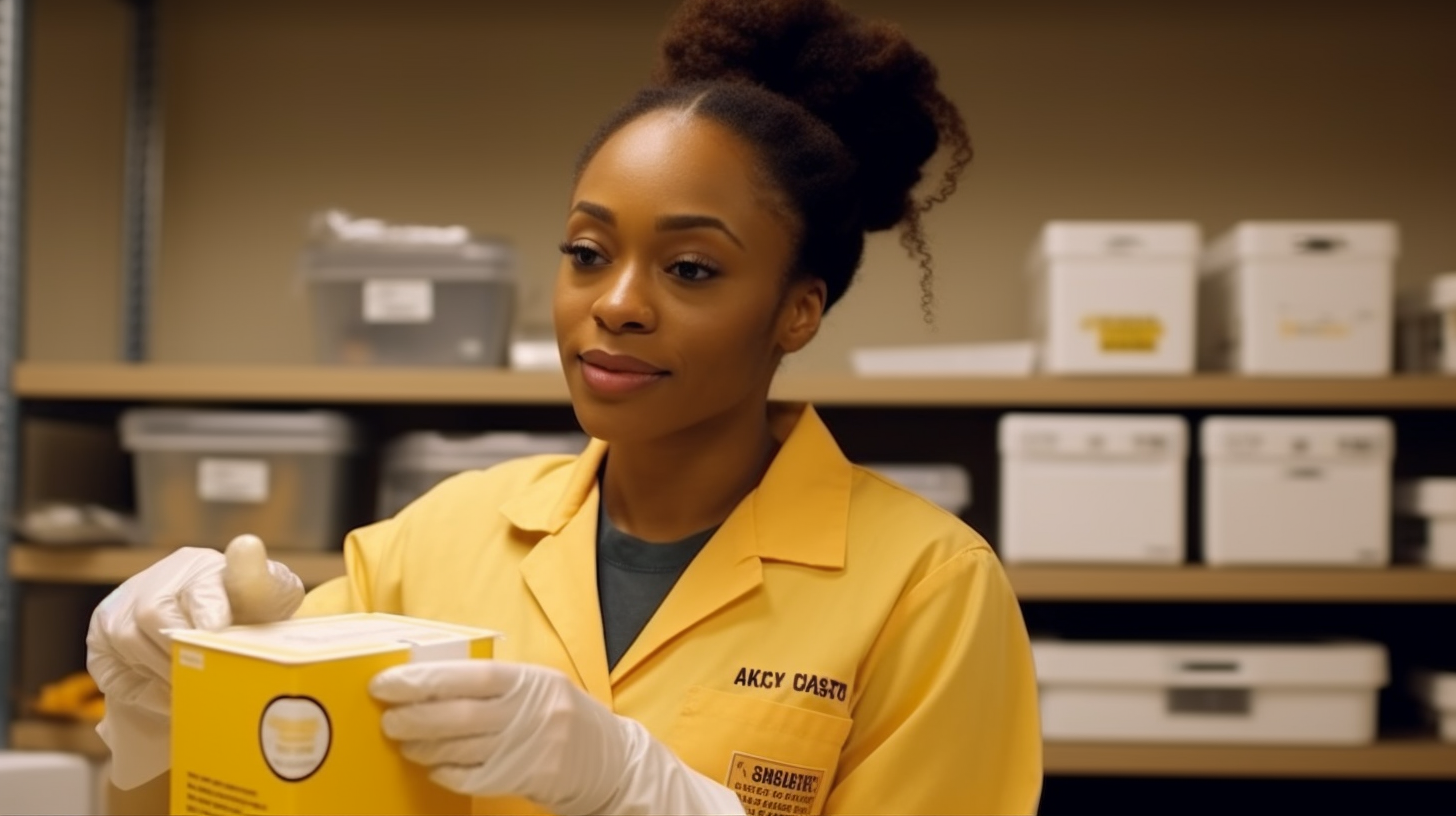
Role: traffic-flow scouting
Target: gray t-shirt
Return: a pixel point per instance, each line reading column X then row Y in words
column 634, row 577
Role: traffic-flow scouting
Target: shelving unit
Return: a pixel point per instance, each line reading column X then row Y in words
column 112, row 565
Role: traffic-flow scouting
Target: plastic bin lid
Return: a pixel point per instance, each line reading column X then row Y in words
column 1427, row 498
column 1304, row 438
column 439, row 451
column 946, row 484
column 1093, row 436
column 1303, row 239
column 474, row 261
column 1337, row 664
column 1117, row 239
column 203, row 431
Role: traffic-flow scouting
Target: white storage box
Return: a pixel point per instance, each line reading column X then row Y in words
column 203, row 477
column 1437, row 691
column 1297, row 490
column 1115, row 297
column 46, row 782
column 1428, row 327
column 420, row 307
column 418, row 461
column 1092, row 489
column 1433, row 503
column 1293, row 298
column 947, row 485
column 1308, row 693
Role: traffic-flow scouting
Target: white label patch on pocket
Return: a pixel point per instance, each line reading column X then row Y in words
column 769, row 788
column 399, row 301
column 241, row 481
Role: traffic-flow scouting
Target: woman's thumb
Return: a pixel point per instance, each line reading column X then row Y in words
column 258, row 590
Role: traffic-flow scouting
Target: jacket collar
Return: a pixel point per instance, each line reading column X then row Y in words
column 799, row 513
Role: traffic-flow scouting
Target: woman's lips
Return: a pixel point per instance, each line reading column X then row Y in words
column 614, row 374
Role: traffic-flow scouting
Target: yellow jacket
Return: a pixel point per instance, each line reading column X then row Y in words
column 840, row 645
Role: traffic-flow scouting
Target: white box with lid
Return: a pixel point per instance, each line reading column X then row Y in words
column 1427, row 323
column 947, row 485
column 1437, row 691
column 1289, row 693
column 1297, row 490
column 1082, row 488
column 1299, row 298
column 47, row 782
column 1432, row 502
column 421, row 307
column 204, row 476
column 417, row 461
column 1115, row 297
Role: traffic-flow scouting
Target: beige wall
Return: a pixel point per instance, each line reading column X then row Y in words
column 472, row 112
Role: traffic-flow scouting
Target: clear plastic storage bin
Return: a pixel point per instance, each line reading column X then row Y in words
column 203, row 477
column 418, row 461
column 417, row 307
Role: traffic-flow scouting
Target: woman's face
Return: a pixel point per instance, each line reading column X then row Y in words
column 673, row 304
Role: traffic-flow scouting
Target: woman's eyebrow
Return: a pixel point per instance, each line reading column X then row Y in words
column 596, row 211
column 686, row 222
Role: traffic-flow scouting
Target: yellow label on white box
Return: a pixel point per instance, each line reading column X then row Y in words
column 1125, row 333
column 278, row 718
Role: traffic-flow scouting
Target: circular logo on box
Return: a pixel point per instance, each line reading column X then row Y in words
column 295, row 735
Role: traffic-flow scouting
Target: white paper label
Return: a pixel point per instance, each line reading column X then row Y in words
column 399, row 301
column 243, row 481
column 296, row 735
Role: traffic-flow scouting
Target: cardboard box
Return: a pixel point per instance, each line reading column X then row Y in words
column 278, row 718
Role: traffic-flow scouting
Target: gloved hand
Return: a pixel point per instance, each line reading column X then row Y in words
column 488, row 728
column 131, row 660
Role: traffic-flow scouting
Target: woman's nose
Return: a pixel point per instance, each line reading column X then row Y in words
column 625, row 305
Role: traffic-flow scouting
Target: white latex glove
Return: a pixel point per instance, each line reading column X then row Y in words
column 131, row 660
column 488, row 728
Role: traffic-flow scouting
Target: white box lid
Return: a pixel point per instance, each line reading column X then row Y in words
column 1343, row 664
column 439, row 451
column 477, row 260
column 1249, row 240
column 948, row 485
column 205, row 431
column 1093, row 436
column 1117, row 239
column 1427, row 498
column 332, row 637
column 1297, row 438
column 1438, row 690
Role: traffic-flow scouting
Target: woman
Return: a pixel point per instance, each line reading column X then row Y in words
column 710, row 610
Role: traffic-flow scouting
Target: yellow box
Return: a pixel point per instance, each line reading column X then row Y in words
column 278, row 719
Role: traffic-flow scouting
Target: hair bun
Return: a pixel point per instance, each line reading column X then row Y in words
column 863, row 79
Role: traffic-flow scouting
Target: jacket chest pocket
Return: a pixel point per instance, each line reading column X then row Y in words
column 778, row 758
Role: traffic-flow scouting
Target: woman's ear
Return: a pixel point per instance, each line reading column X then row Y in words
column 801, row 314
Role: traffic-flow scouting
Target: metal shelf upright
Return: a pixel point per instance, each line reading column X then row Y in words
column 12, row 150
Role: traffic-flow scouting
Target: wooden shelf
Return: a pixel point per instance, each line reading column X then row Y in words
column 112, row 565
column 57, row 735
column 1199, row 583
column 1391, row 759
column 310, row 384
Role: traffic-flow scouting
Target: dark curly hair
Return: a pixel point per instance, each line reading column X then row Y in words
column 843, row 113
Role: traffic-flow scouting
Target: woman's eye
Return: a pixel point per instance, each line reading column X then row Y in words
column 691, row 270
column 583, row 255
